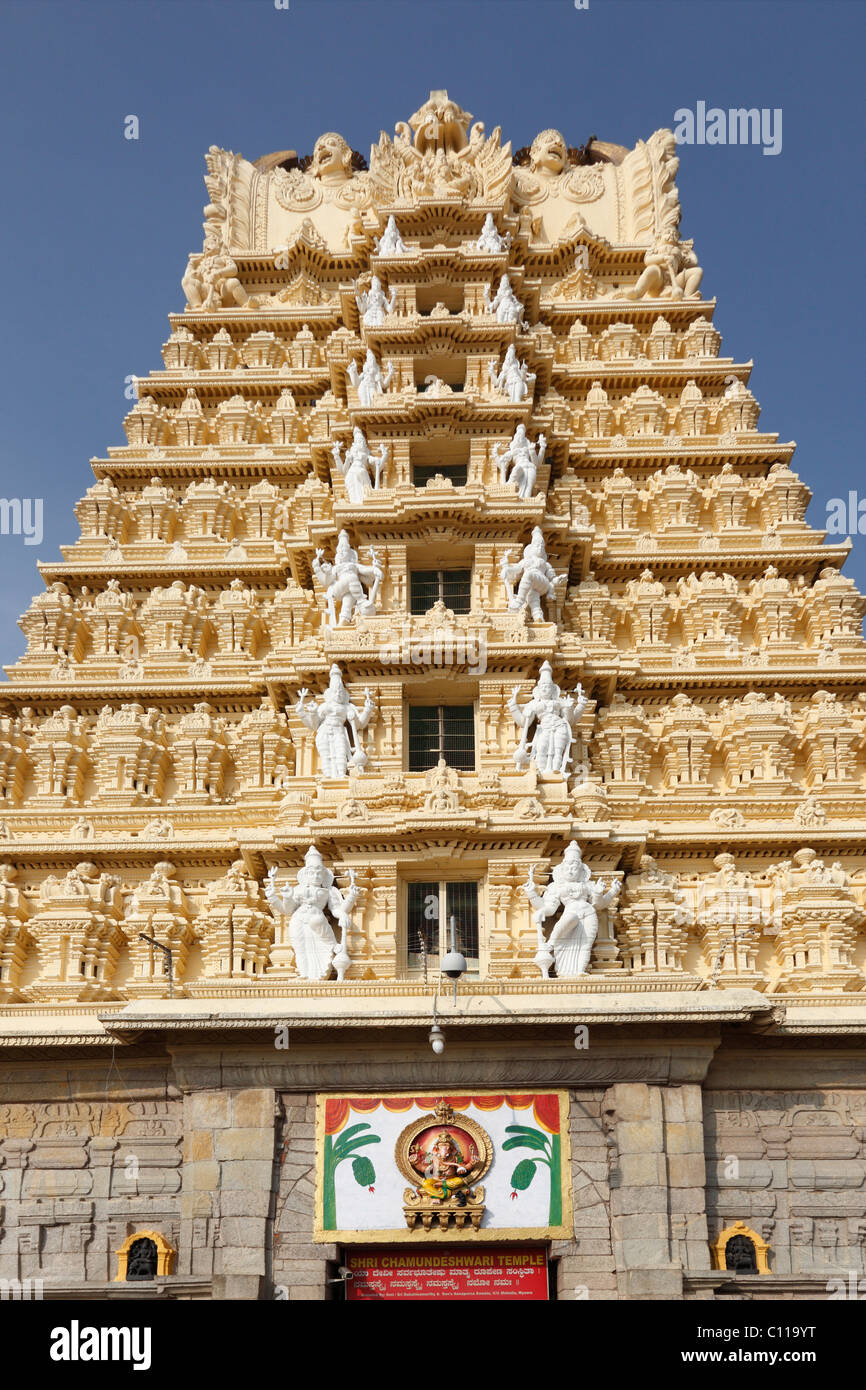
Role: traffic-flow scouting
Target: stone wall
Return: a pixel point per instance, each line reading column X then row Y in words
column 84, row 1163
column 300, row 1266
column 212, row 1151
column 791, row 1164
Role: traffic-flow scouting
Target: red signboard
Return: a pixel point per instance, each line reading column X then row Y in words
column 514, row 1272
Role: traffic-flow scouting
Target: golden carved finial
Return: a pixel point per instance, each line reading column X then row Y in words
column 443, row 1112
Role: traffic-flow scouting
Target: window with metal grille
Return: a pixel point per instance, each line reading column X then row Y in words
column 441, row 731
column 740, row 1255
column 428, row 932
column 427, row 587
column 423, row 472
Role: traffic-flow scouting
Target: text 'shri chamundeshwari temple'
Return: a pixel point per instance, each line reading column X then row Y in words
column 434, row 790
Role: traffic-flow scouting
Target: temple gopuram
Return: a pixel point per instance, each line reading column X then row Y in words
column 434, row 790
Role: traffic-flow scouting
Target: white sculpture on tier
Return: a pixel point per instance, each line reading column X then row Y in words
column 555, row 716
column 537, row 578
column 390, row 243
column 524, row 459
column 504, row 304
column 573, row 889
column 361, row 471
column 490, row 241
column 311, row 935
column 344, row 579
column 375, row 305
column 369, row 381
column 515, row 380
column 338, row 726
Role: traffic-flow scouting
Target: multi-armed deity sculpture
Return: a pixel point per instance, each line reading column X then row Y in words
column 361, row 470
column 344, row 580
column 375, row 305
column 573, row 890
column 311, row 935
column 525, row 461
column 534, row 575
column 390, row 243
column 338, row 725
column 554, row 716
column 504, row 304
column 514, row 380
column 490, row 241
column 369, row 382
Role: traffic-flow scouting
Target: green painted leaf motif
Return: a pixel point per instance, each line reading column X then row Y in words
column 530, row 1140
column 364, row 1172
column 523, row 1174
column 345, row 1149
column 347, row 1133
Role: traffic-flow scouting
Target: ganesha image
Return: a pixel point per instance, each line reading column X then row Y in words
column 443, row 1157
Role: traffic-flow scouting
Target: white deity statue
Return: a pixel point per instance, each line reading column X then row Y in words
column 344, row 579
column 515, row 380
column 490, row 240
column 537, row 578
column 555, row 716
column 338, row 725
column 369, row 381
column 390, row 243
column 524, row 459
column 311, row 935
column 375, row 304
column 361, row 471
column 573, row 889
column 504, row 304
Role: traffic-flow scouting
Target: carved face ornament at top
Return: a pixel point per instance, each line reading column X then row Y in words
column 549, row 153
column 332, row 159
column 551, row 178
column 440, row 125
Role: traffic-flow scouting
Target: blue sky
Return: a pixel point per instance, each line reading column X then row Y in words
column 96, row 229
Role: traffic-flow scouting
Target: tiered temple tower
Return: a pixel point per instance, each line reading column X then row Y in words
column 446, row 544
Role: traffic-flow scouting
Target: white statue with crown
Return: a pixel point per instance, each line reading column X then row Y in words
column 534, row 576
column 374, row 305
column 390, row 243
column 504, row 304
column 577, row 896
column 369, row 382
column 338, row 725
column 344, row 580
column 552, row 717
column 360, row 470
column 525, row 460
column 311, row 934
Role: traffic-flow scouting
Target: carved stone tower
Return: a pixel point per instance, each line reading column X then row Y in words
column 446, row 540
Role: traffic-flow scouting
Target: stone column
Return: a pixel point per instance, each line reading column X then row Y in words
column 586, row 1263
column 228, row 1174
column 687, row 1175
column 640, row 1221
